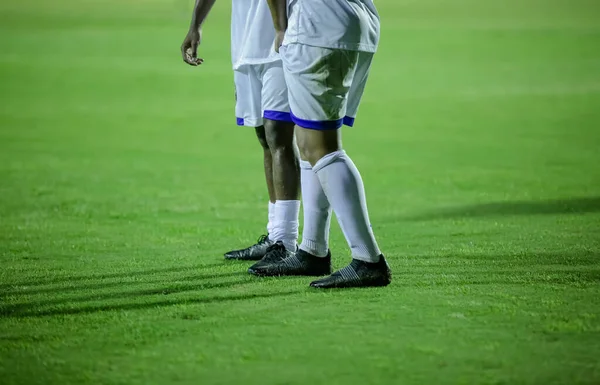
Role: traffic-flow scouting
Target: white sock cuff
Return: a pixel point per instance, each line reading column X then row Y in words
column 287, row 204
column 286, row 223
column 366, row 253
column 328, row 159
column 271, row 211
column 315, row 248
column 286, row 218
column 271, row 217
column 305, row 165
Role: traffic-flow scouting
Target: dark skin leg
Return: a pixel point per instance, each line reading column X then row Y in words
column 267, row 161
column 315, row 144
column 286, row 169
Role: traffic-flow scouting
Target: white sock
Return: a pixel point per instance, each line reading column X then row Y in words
column 344, row 188
column 286, row 223
column 317, row 213
column 271, row 221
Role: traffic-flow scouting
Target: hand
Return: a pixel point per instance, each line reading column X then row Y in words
column 189, row 48
column 279, row 35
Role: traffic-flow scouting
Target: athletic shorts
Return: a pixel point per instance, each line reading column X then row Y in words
column 260, row 92
column 325, row 85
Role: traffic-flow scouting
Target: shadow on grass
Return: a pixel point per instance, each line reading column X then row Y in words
column 105, row 285
column 149, row 305
column 125, row 274
column 161, row 290
column 560, row 206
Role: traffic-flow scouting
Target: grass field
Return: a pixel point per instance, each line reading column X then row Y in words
column 123, row 179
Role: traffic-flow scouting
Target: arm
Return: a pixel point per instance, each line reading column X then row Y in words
column 189, row 48
column 279, row 14
column 201, row 10
column 280, row 20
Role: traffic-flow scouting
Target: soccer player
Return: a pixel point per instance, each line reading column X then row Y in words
column 262, row 103
column 327, row 50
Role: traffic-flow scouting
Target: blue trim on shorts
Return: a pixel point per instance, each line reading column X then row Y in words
column 240, row 121
column 317, row 124
column 277, row 115
column 348, row 121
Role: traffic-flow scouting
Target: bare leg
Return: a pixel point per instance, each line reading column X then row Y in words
column 258, row 250
column 286, row 182
column 315, row 144
column 267, row 161
column 284, row 155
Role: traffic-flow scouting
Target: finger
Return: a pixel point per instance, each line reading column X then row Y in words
column 190, row 60
column 194, row 49
column 193, row 61
column 184, row 48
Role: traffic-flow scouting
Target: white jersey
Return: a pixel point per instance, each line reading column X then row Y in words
column 338, row 24
column 252, row 33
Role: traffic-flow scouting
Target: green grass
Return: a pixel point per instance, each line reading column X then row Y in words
column 123, row 179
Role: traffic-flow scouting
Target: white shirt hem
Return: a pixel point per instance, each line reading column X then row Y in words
column 248, row 62
column 335, row 45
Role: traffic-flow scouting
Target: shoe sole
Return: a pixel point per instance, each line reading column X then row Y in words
column 242, row 259
column 258, row 273
column 253, row 272
column 377, row 283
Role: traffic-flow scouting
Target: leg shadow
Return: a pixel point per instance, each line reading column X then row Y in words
column 125, row 274
column 150, row 305
column 162, row 290
column 105, row 285
column 30, row 307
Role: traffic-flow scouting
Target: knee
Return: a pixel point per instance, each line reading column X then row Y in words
column 312, row 148
column 309, row 153
column 279, row 136
column 315, row 155
column 262, row 137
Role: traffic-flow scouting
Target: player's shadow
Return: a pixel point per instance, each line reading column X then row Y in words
column 146, row 305
column 106, row 285
column 165, row 289
column 123, row 274
column 35, row 285
column 558, row 206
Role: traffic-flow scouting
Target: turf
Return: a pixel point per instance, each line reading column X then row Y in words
column 123, row 179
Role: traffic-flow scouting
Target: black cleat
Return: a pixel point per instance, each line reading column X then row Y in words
column 252, row 253
column 358, row 274
column 299, row 263
column 275, row 253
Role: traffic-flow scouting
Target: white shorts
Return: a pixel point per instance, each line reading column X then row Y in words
column 325, row 85
column 260, row 92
